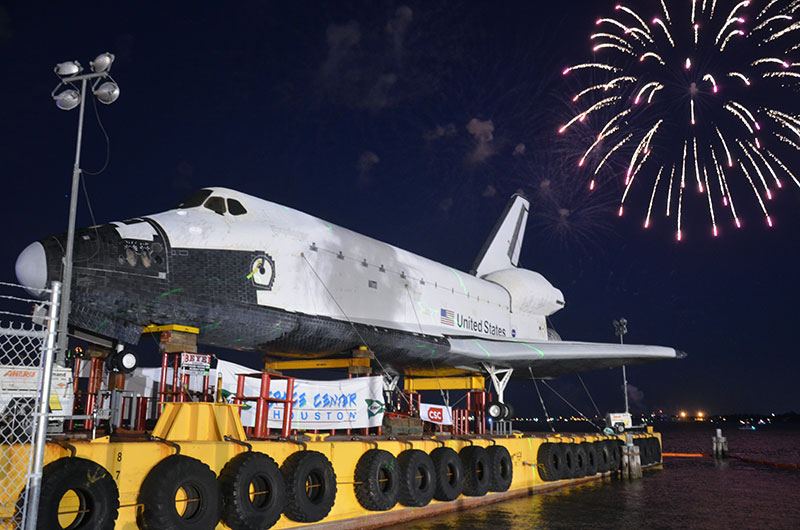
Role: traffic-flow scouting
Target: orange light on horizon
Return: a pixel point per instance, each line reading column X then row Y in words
column 683, row 414
column 700, row 414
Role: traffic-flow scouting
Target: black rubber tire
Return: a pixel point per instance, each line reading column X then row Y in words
column 310, row 486
column 568, row 451
column 258, row 470
column 637, row 442
column 645, row 451
column 477, row 470
column 603, row 452
column 656, row 450
column 161, row 485
column 591, row 458
column 508, row 413
column 502, row 468
column 495, row 410
column 417, row 478
column 377, row 480
column 449, row 474
column 94, row 487
column 579, row 469
column 615, row 455
column 550, row 462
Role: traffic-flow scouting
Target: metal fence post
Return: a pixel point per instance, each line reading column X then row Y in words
column 33, row 488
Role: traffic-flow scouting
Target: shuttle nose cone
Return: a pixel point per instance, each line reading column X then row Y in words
column 31, row 268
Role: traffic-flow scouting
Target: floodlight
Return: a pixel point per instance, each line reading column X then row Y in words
column 102, row 62
column 68, row 99
column 68, row 68
column 107, row 93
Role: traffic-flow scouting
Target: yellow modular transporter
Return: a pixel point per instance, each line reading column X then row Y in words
column 198, row 471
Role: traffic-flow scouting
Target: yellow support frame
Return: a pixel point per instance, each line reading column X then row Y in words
column 316, row 364
column 152, row 328
column 438, row 371
column 472, row 382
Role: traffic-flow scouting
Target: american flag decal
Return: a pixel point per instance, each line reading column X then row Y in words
column 447, row 317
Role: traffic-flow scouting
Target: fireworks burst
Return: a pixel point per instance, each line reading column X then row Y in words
column 697, row 94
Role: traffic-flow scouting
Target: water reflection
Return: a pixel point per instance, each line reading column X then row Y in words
column 684, row 493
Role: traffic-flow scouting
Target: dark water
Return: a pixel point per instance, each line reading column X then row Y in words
column 686, row 493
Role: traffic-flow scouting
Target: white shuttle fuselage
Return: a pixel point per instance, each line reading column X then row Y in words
column 254, row 275
column 314, row 267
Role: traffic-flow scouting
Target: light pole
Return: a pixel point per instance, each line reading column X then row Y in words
column 107, row 93
column 620, row 329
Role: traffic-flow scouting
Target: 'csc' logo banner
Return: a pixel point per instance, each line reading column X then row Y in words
column 436, row 414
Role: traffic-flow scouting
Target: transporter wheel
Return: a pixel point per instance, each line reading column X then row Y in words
column 253, row 492
column 180, row 493
column 591, row 458
column 579, row 469
column 417, row 478
column 449, row 474
column 568, row 450
column 550, row 461
column 477, row 470
column 377, row 480
column 603, row 452
column 495, row 410
column 501, row 468
column 77, row 494
column 508, row 412
column 310, row 486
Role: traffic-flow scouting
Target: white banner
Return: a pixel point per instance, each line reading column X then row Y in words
column 436, row 414
column 344, row 404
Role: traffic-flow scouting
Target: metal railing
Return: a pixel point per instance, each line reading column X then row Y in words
column 27, row 342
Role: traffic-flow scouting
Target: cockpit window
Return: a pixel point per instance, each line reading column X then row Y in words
column 216, row 204
column 194, row 199
column 235, row 207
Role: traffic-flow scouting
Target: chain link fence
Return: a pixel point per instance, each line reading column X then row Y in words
column 27, row 332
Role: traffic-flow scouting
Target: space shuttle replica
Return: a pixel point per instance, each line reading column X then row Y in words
column 256, row 276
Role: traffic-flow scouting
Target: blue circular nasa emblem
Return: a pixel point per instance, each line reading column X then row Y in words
column 513, row 332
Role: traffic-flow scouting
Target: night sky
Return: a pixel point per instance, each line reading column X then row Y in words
column 412, row 123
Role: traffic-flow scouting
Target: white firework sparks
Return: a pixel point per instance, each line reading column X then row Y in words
column 708, row 96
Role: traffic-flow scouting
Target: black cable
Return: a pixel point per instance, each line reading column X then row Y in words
column 600, row 429
column 590, row 396
column 108, row 141
column 547, row 416
column 352, row 324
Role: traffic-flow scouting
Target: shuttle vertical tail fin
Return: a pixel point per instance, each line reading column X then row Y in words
column 502, row 248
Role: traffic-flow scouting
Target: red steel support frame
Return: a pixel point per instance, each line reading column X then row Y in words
column 141, row 413
column 95, row 381
column 180, row 383
column 261, row 429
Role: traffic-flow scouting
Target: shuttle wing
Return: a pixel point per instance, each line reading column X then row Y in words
column 554, row 358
